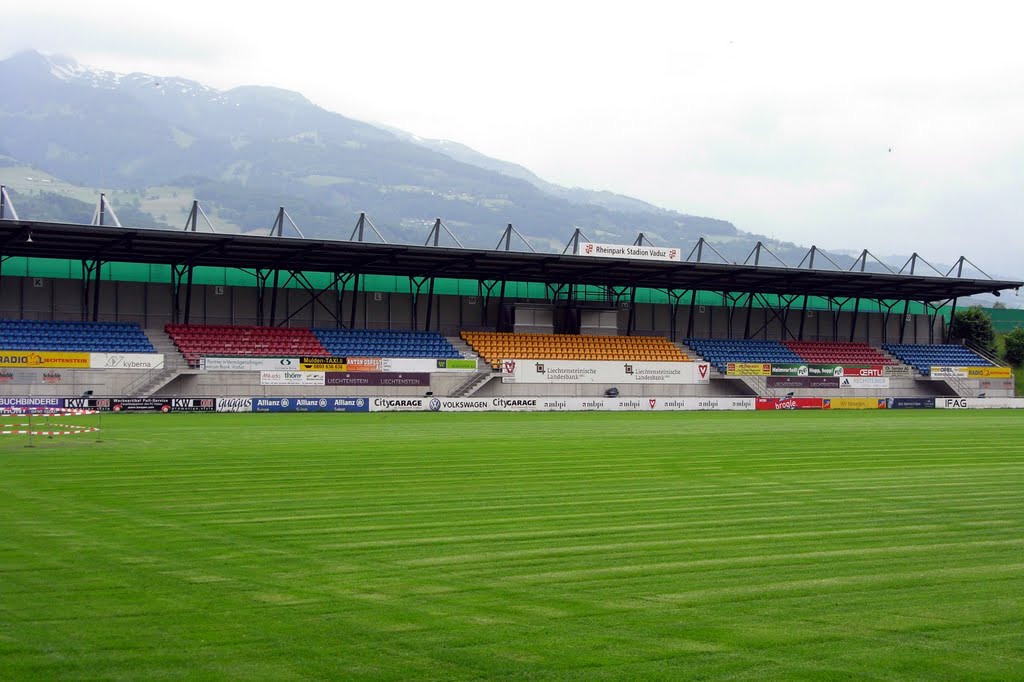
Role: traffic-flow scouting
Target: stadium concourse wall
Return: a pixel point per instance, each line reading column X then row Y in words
column 387, row 303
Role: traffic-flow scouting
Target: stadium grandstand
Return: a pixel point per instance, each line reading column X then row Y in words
column 158, row 313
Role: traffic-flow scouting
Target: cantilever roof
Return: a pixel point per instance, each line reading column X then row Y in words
column 133, row 245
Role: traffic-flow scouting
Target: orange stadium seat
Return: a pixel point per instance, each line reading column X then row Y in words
column 494, row 347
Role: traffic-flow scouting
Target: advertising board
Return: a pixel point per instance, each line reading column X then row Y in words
column 562, row 404
column 376, row 379
column 126, row 360
column 225, row 364
column 989, row 372
column 140, row 405
column 28, row 359
column 602, row 372
column 290, row 378
column 854, row 403
column 193, row 405
column 310, row 404
column 864, row 382
column 802, row 382
column 234, row 404
column 388, row 365
column 30, row 402
column 971, row 373
column 322, row 363
column 979, row 403
column 31, row 376
column 783, row 369
column 748, row 369
column 902, row 371
column 397, row 404
column 788, row 404
column 910, row 403
column 595, row 250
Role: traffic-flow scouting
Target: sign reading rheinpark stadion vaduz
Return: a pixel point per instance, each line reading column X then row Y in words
column 669, row 253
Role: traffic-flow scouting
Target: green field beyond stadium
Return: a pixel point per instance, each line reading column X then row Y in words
column 867, row 545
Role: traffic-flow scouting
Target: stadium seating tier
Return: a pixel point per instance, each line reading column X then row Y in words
column 74, row 336
column 923, row 357
column 494, row 347
column 195, row 341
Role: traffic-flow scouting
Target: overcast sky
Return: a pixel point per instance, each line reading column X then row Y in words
column 889, row 126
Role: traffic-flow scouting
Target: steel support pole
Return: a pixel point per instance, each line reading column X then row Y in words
column 689, row 323
column 430, row 304
column 96, row 293
column 501, row 306
column 903, row 319
column 631, row 320
column 355, row 299
column 188, row 294
column 273, row 298
column 853, row 323
column 750, row 313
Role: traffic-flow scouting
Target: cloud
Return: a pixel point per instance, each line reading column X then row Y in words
column 777, row 116
column 110, row 39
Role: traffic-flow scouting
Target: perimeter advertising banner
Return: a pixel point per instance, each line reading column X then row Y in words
column 595, row 250
column 979, row 403
column 234, row 404
column 971, row 373
column 87, row 403
column 910, row 403
column 27, row 359
column 193, row 404
column 14, row 403
column 602, row 372
column 140, row 405
column 549, row 404
column 788, row 404
column 224, row 364
column 309, row 404
column 854, row 403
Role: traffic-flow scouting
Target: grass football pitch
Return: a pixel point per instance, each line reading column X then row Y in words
column 814, row 545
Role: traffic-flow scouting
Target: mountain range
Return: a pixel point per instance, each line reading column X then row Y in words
column 153, row 144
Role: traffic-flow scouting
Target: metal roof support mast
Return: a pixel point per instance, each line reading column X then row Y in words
column 6, row 206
